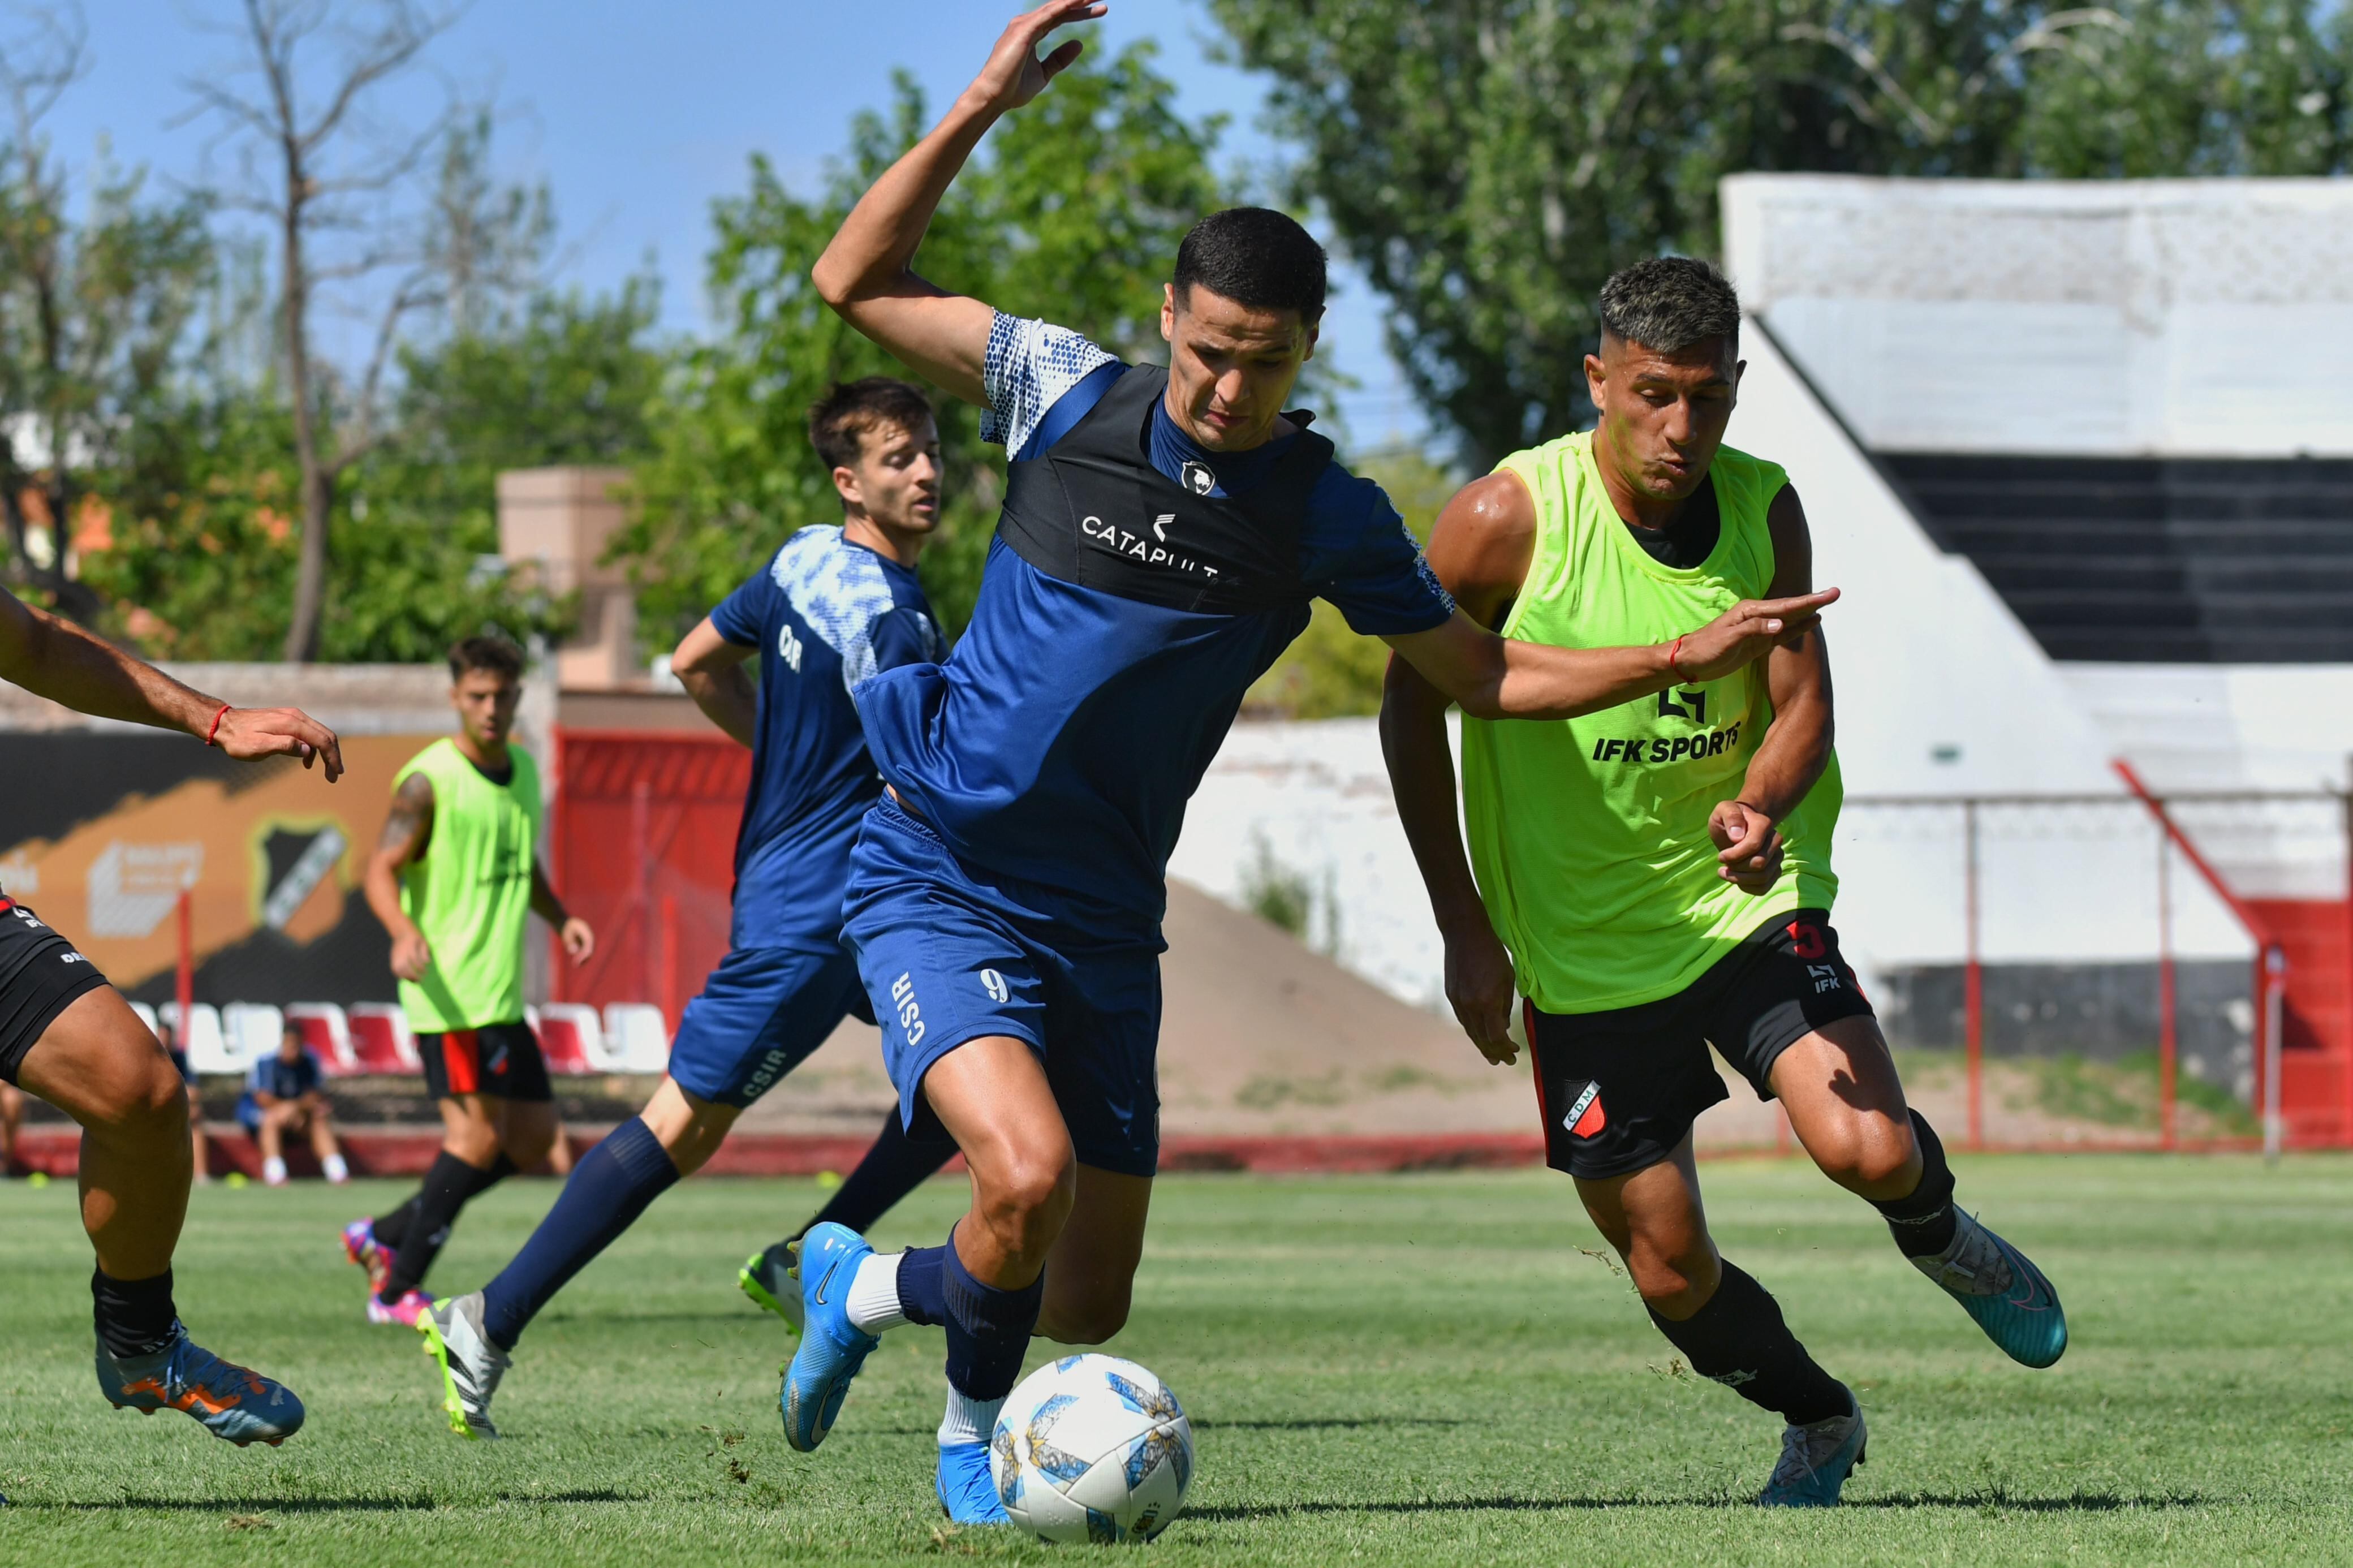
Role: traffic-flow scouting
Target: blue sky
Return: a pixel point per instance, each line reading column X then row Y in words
column 639, row 113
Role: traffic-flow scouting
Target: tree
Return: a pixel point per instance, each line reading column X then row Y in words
column 1072, row 212
column 94, row 312
column 330, row 185
column 1488, row 163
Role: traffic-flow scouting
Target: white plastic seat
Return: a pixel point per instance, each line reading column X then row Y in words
column 637, row 1036
column 255, row 1029
column 327, row 1031
column 146, row 1014
column 209, row 1048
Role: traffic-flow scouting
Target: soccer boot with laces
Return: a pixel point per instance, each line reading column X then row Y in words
column 831, row 1350
column 231, row 1401
column 369, row 1255
column 1816, row 1459
column 471, row 1365
column 772, row 1279
column 967, row 1491
column 1996, row 1285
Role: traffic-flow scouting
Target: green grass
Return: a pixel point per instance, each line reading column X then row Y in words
column 1381, row 1370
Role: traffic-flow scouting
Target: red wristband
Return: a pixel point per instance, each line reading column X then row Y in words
column 214, row 730
column 1672, row 649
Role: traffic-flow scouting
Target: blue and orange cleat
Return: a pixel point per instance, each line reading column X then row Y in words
column 2005, row 1293
column 967, row 1491
column 818, row 1379
column 231, row 1401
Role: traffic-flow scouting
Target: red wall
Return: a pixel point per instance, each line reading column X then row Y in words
column 643, row 846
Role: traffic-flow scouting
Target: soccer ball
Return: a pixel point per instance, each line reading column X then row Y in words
column 1092, row 1447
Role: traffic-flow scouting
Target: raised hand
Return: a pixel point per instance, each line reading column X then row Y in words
column 1015, row 74
column 247, row 733
column 1746, row 632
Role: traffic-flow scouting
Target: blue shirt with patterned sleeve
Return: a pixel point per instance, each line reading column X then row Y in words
column 1058, row 748
column 825, row 616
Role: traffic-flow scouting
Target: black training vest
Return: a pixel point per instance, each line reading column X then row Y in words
column 1095, row 512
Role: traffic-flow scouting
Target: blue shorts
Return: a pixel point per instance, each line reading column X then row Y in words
column 760, row 1015
column 947, row 959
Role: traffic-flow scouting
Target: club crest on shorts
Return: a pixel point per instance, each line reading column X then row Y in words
column 1585, row 1118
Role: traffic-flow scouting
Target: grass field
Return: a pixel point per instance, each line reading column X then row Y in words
column 1421, row 1369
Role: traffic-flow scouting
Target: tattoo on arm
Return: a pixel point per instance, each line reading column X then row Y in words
column 409, row 828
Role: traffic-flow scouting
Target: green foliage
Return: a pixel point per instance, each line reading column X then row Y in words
column 1488, row 163
column 203, row 545
column 1072, row 212
column 1331, row 672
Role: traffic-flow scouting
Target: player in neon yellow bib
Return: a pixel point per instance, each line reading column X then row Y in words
column 1653, row 878
column 453, row 878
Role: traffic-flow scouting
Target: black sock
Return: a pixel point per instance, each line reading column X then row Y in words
column 447, row 1186
column 1922, row 1221
column 895, row 1166
column 135, row 1316
column 988, row 1329
column 1739, row 1340
column 391, row 1229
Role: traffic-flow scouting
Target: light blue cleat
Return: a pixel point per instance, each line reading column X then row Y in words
column 968, row 1493
column 1816, row 1459
column 231, row 1401
column 831, row 1350
column 2007, row 1294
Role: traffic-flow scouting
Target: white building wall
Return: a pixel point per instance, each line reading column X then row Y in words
column 2082, row 318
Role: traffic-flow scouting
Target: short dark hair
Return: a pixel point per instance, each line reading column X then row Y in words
column 838, row 422
column 1670, row 302
column 498, row 655
column 1258, row 258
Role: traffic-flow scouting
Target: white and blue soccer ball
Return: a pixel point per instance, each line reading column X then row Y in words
column 1092, row 1447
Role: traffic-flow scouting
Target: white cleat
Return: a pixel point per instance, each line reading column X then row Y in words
column 471, row 1365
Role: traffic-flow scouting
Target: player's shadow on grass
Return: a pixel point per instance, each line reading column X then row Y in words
column 2075, row 1503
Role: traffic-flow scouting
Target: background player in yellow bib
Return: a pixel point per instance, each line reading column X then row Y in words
column 453, row 878
column 1655, row 877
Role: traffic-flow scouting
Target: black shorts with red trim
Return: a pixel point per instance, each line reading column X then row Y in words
column 41, row 976
column 497, row 1058
column 1619, row 1090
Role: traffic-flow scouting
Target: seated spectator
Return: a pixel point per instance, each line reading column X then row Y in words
column 283, row 1094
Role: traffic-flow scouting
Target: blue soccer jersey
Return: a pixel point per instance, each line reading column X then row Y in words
column 825, row 616
column 1060, row 743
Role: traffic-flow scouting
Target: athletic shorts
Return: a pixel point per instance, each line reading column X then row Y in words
column 760, row 1015
column 1619, row 1090
column 947, row 959
column 497, row 1058
column 40, row 974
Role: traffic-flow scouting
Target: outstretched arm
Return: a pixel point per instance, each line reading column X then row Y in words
column 1796, row 745
column 712, row 669
column 52, row 658
column 864, row 273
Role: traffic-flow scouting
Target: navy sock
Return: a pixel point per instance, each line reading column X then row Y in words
column 922, row 1284
column 609, row 1188
column 134, row 1317
column 1740, row 1340
column 988, row 1329
column 1923, row 1221
column 895, row 1166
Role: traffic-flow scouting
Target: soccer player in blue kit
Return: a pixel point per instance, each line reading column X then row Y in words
column 834, row 606
column 1162, row 534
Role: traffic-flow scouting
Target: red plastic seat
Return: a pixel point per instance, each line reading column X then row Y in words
column 380, row 1042
column 560, row 1042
